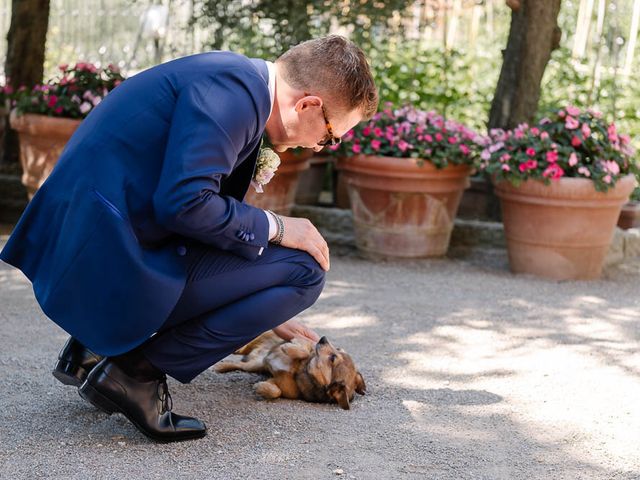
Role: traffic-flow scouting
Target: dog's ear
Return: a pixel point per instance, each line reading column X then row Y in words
column 338, row 392
column 360, row 386
column 295, row 352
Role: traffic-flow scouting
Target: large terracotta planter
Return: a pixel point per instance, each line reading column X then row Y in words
column 42, row 140
column 401, row 209
column 279, row 194
column 563, row 230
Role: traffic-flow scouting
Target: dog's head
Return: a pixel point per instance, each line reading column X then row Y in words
column 333, row 370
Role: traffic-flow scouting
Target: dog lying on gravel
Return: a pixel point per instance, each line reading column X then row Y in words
column 299, row 370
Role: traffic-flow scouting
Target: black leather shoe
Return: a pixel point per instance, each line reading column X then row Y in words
column 147, row 404
column 75, row 361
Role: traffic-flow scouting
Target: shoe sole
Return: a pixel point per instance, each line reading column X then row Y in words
column 103, row 403
column 69, row 373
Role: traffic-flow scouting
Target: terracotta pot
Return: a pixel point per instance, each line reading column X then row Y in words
column 629, row 216
column 401, row 209
column 311, row 180
column 42, row 140
column 562, row 230
column 279, row 194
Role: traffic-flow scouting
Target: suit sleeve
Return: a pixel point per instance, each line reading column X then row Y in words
column 212, row 122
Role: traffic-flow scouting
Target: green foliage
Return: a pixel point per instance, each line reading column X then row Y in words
column 266, row 29
column 449, row 82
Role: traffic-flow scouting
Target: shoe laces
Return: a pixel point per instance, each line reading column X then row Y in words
column 164, row 396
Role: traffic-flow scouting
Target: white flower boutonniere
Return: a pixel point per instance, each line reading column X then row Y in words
column 266, row 166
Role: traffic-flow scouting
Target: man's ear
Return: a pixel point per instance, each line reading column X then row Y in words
column 307, row 102
column 338, row 392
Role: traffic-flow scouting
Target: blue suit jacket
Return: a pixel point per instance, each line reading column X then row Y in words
column 165, row 158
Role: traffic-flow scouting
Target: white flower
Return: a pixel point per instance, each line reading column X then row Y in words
column 266, row 166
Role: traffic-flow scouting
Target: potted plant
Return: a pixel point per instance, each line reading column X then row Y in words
column 561, row 185
column 46, row 116
column 405, row 172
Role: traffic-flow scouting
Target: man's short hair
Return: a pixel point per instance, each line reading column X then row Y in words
column 332, row 66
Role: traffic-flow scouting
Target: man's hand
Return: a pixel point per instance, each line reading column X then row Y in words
column 299, row 233
column 293, row 328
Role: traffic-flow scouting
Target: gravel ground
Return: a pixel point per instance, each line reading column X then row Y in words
column 472, row 373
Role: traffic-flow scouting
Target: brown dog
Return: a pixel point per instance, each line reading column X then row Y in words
column 299, row 369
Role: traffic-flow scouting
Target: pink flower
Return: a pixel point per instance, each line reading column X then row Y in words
column 575, row 141
column 573, row 159
column 356, row 148
column 464, row 149
column 518, row 134
column 375, row 144
column 571, row 123
column 377, row 132
column 439, row 137
column 506, row 167
column 403, row 146
column 571, row 110
column 85, row 107
column 553, row 171
column 584, row 171
column 63, row 67
column 505, row 157
column 528, row 165
column 544, row 136
column 535, row 131
column 613, row 136
column 607, row 179
column 561, row 113
column 428, row 138
column 611, row 167
column 586, row 131
column 452, row 140
column 366, row 131
column 530, row 151
column 552, row 156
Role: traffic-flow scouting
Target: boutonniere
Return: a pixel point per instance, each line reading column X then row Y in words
column 266, row 166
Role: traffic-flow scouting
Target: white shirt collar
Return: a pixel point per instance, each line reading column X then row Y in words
column 272, row 83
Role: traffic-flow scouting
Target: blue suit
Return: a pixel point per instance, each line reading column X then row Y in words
column 160, row 166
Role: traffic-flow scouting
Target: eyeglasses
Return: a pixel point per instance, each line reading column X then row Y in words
column 329, row 139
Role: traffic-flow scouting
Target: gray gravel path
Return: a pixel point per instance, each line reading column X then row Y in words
column 472, row 373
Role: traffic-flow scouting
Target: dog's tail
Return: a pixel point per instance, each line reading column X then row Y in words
column 266, row 337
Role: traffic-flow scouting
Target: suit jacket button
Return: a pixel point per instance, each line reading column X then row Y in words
column 182, row 250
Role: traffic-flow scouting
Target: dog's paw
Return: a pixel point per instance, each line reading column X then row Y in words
column 225, row 366
column 267, row 389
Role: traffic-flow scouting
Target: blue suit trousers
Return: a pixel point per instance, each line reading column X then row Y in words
column 228, row 301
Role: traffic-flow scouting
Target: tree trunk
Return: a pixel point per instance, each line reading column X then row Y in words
column 25, row 56
column 533, row 35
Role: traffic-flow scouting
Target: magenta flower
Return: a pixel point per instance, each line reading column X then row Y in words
column 366, row 131
column 375, row 144
column 439, row 137
column 52, row 101
column 553, row 171
column 528, row 165
column 428, row 138
column 464, row 149
column 530, row 151
column 575, row 141
column 377, row 132
column 356, row 148
column 403, row 146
